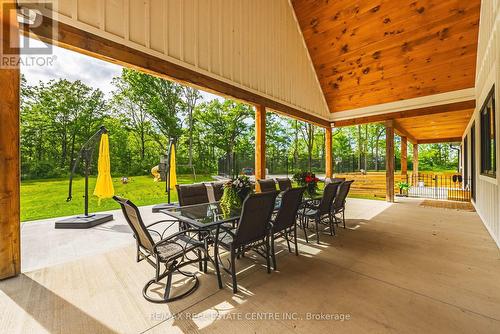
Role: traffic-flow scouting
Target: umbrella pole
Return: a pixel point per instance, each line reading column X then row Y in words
column 86, row 187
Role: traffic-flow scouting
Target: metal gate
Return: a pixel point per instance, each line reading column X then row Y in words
column 439, row 186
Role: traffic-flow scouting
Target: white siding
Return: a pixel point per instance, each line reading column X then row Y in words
column 488, row 74
column 256, row 45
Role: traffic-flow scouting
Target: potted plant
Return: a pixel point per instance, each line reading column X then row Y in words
column 308, row 180
column 235, row 192
column 404, row 187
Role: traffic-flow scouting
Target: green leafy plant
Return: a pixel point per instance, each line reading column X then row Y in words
column 235, row 192
column 403, row 187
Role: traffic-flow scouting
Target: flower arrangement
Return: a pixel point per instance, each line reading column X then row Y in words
column 235, row 192
column 308, row 180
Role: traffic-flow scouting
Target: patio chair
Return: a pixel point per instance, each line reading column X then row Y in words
column 191, row 194
column 171, row 251
column 338, row 206
column 267, row 185
column 284, row 183
column 320, row 211
column 218, row 188
column 285, row 223
column 251, row 233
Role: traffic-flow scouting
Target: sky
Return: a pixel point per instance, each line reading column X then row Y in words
column 74, row 66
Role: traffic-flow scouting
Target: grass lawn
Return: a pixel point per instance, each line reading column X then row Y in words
column 42, row 199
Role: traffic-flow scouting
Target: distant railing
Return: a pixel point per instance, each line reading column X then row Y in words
column 439, row 186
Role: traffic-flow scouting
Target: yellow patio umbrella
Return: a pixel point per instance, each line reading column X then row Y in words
column 173, row 173
column 104, row 185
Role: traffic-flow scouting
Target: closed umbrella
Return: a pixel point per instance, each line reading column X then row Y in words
column 173, row 174
column 104, row 185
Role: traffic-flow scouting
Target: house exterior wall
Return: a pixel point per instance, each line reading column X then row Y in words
column 255, row 45
column 487, row 200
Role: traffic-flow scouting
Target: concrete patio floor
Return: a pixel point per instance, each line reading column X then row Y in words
column 398, row 268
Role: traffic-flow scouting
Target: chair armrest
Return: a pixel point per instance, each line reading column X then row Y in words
column 311, row 203
column 162, row 234
column 172, row 236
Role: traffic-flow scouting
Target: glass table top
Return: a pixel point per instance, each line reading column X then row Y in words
column 209, row 214
column 203, row 215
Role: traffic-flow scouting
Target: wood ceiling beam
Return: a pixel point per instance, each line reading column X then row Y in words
column 444, row 108
column 400, row 131
column 92, row 45
column 440, row 140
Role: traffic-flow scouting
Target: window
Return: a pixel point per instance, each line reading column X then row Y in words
column 488, row 136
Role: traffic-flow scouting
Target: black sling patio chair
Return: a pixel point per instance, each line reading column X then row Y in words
column 171, row 251
column 338, row 206
column 251, row 232
column 267, row 185
column 285, row 223
column 191, row 194
column 284, row 183
column 320, row 211
column 218, row 188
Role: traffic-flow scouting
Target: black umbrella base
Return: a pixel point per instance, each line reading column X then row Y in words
column 82, row 222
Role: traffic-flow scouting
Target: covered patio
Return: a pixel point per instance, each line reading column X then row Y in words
column 421, row 69
column 381, row 274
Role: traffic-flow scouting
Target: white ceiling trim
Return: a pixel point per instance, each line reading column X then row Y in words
column 408, row 104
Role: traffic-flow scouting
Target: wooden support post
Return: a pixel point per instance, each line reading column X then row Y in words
column 389, row 161
column 404, row 156
column 415, row 164
column 10, row 258
column 328, row 153
column 260, row 142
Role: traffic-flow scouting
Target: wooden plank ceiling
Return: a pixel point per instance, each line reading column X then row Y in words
column 435, row 128
column 374, row 51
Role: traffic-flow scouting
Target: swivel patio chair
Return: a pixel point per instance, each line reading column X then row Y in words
column 190, row 194
column 284, row 183
column 172, row 251
column 251, row 233
column 285, row 223
column 338, row 206
column 320, row 211
column 267, row 185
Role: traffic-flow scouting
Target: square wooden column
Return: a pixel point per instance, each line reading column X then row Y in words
column 404, row 155
column 328, row 152
column 415, row 163
column 260, row 142
column 10, row 257
column 389, row 161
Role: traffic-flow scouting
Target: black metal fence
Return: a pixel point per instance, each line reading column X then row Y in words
column 439, row 186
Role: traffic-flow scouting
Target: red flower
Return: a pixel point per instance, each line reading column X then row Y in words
column 308, row 179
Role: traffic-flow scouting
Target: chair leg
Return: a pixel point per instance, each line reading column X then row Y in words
column 343, row 217
column 317, row 229
column 268, row 262
column 216, row 264
column 273, row 254
column 295, row 240
column 304, row 228
column 233, row 270
column 287, row 241
column 168, row 286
